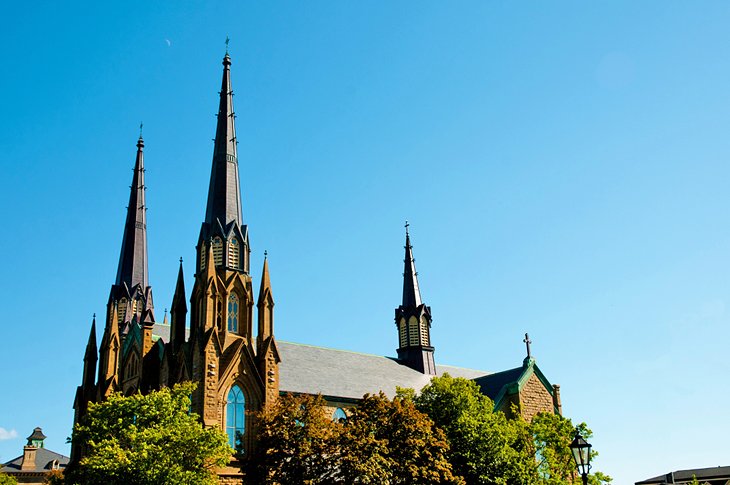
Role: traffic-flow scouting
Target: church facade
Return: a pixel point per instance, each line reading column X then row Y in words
column 210, row 337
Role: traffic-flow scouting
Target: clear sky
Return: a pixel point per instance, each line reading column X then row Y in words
column 564, row 167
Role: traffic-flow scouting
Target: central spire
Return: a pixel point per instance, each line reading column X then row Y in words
column 224, row 195
column 411, row 293
column 132, row 268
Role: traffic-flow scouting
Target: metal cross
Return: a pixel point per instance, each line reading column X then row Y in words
column 407, row 226
column 527, row 343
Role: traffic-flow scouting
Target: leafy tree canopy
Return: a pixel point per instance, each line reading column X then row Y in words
column 148, row 439
column 382, row 441
column 6, row 479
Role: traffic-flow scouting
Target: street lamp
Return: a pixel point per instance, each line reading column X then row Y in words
column 581, row 450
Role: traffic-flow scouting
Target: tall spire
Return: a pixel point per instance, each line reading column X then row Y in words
column 224, row 196
column 132, row 268
column 411, row 293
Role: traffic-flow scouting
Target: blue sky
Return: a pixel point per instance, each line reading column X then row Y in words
column 564, row 167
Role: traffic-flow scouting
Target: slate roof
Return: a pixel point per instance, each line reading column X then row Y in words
column 491, row 384
column 720, row 473
column 43, row 459
column 339, row 373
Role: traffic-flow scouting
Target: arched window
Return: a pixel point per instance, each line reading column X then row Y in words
column 218, row 251
column 235, row 418
column 233, row 313
column 233, row 253
column 202, row 255
column 339, row 415
column 121, row 310
column 413, row 327
column 424, row 332
column 402, row 333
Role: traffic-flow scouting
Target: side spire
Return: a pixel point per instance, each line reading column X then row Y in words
column 224, row 196
column 413, row 320
column 132, row 268
column 411, row 292
column 178, row 311
column 91, row 357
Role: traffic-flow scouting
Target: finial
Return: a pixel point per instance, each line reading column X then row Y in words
column 527, row 343
column 140, row 129
column 180, row 259
column 227, row 41
column 94, row 316
column 407, row 225
column 266, row 254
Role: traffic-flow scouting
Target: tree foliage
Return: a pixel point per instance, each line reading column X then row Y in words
column 382, row 441
column 146, row 439
column 6, row 479
column 486, row 447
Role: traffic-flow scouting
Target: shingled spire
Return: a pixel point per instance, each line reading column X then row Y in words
column 224, row 196
column 411, row 293
column 413, row 320
column 132, row 268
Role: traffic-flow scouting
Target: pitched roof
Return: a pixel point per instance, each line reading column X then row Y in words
column 492, row 384
column 43, row 460
column 684, row 476
column 339, row 373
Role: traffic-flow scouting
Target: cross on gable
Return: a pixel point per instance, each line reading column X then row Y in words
column 527, row 344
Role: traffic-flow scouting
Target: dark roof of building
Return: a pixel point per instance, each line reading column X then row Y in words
column 683, row 476
column 308, row 369
column 492, row 384
column 44, row 460
column 37, row 435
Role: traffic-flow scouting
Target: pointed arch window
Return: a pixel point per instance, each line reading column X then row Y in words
column 233, row 313
column 402, row 333
column 424, row 332
column 234, row 253
column 217, row 251
column 121, row 310
column 235, row 418
column 413, row 327
column 339, row 415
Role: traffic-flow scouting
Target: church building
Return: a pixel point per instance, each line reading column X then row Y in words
column 210, row 337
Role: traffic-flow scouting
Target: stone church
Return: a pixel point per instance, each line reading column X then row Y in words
column 210, row 337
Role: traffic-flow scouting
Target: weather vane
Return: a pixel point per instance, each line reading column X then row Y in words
column 227, row 41
column 140, row 129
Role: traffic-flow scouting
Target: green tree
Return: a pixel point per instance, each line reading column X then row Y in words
column 381, row 442
column 390, row 441
column 551, row 435
column 148, row 439
column 6, row 479
column 486, row 447
column 297, row 442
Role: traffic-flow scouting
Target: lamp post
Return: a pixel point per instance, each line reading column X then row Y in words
column 581, row 450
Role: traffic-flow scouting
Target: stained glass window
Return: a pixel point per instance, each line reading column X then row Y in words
column 235, row 418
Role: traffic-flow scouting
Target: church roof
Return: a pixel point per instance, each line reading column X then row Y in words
column 44, row 459
column 720, row 473
column 334, row 373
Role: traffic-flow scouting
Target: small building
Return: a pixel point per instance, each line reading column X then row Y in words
column 36, row 462
column 719, row 475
